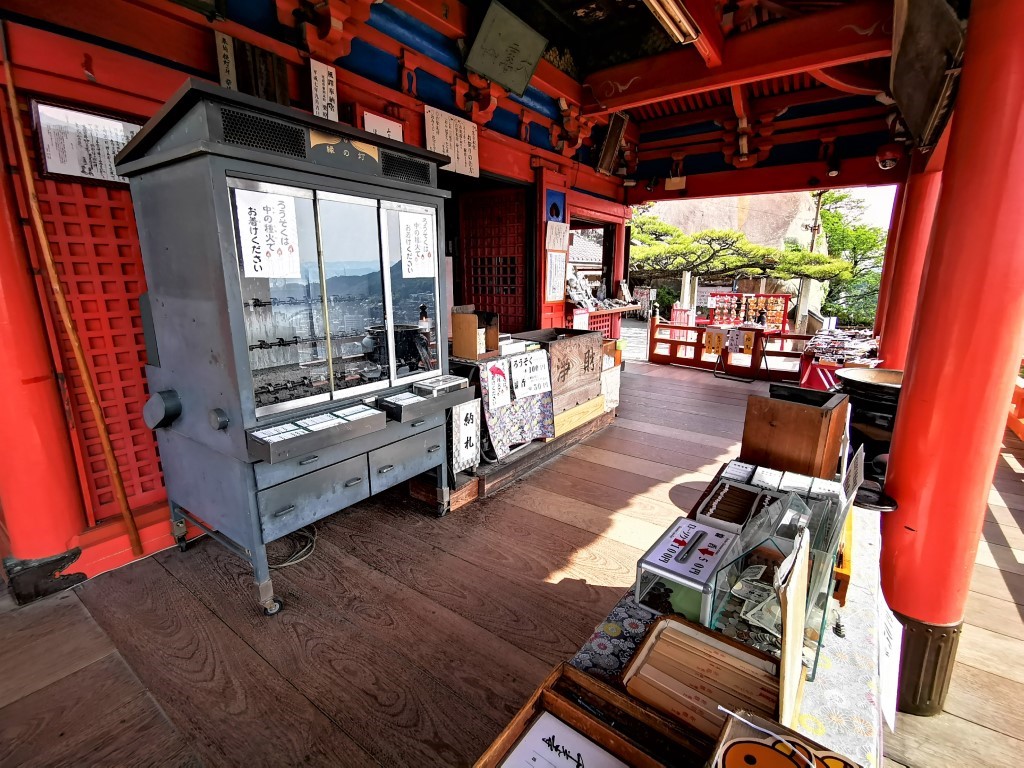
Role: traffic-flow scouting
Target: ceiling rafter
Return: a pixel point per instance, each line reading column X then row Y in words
column 860, row 31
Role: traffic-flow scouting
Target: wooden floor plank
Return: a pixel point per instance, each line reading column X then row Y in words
column 681, row 403
column 1006, row 559
column 986, row 699
column 58, row 711
column 988, row 650
column 996, row 615
column 676, row 497
column 948, row 740
column 644, row 467
column 666, row 449
column 465, row 582
column 233, row 706
column 382, row 699
column 46, row 641
column 1001, row 534
column 651, row 428
column 631, row 531
column 704, row 425
column 611, row 498
column 995, row 583
column 616, row 444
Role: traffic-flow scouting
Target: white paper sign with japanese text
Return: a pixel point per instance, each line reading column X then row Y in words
column 530, row 374
column 268, row 234
column 466, row 435
column 890, row 646
column 451, row 135
column 80, row 144
column 419, row 253
column 549, row 742
column 499, row 390
column 557, row 236
column 383, row 126
column 226, row 60
column 325, row 89
column 554, row 283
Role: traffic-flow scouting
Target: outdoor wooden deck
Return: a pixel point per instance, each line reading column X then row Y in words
column 411, row 640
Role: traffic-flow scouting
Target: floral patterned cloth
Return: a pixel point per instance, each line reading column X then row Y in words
column 523, row 420
column 840, row 709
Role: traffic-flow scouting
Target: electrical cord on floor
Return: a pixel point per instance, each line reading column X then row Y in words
column 302, row 551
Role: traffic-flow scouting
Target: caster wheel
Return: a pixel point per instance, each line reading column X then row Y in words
column 273, row 608
column 182, row 545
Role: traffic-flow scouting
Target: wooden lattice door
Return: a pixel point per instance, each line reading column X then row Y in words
column 493, row 228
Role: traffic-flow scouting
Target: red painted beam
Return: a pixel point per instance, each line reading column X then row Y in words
column 856, row 172
column 850, row 80
column 857, row 32
column 711, row 42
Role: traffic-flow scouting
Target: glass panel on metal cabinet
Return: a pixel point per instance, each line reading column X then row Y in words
column 410, row 234
column 350, row 242
column 282, row 303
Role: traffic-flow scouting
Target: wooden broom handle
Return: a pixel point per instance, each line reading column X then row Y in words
column 57, row 290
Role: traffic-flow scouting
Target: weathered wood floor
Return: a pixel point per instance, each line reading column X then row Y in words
column 409, row 640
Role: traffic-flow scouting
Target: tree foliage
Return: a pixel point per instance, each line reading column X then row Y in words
column 661, row 250
column 853, row 295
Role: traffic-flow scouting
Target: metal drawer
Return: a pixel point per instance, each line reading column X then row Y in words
column 289, row 506
column 405, row 459
column 268, row 475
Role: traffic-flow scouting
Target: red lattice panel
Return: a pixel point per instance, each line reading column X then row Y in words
column 494, row 254
column 602, row 323
column 95, row 246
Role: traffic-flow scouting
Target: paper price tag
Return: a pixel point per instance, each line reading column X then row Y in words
column 530, row 374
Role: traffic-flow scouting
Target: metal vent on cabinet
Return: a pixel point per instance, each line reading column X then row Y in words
column 246, row 130
column 404, row 168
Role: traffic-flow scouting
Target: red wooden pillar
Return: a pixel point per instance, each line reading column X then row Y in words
column 42, row 501
column 953, row 405
column 890, row 257
column 920, row 200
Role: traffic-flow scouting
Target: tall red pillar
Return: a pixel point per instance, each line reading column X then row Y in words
column 42, row 502
column 920, row 201
column 890, row 257
column 960, row 374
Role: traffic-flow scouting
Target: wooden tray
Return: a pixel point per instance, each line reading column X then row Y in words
column 623, row 726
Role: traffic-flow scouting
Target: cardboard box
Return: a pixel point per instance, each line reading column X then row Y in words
column 466, row 335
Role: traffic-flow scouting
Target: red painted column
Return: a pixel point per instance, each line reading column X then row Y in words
column 890, row 258
column 42, row 502
column 953, row 405
column 920, row 201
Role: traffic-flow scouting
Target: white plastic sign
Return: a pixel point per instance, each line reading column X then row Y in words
column 530, row 374
column 268, row 234
column 419, row 253
column 383, row 126
column 499, row 393
column 325, row 89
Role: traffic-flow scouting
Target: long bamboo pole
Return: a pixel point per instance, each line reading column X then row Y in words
column 57, row 290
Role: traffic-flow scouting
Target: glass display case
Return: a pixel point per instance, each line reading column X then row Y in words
column 292, row 270
column 322, row 325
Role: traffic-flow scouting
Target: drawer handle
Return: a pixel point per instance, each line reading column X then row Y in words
column 286, row 511
column 385, row 470
column 309, row 460
column 419, row 423
column 434, row 449
column 353, row 481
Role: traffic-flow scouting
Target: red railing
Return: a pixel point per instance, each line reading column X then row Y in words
column 703, row 347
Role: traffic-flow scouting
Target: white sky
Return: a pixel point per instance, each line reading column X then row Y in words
column 877, row 204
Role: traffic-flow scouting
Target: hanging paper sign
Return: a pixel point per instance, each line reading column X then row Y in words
column 455, row 137
column 268, row 234
column 418, row 251
column 81, row 144
column 465, row 435
column 383, row 126
column 499, row 392
column 530, row 374
column 325, row 89
column 226, row 60
column 557, row 236
column 554, row 283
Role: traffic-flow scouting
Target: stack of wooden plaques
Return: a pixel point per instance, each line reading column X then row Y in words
column 684, row 671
